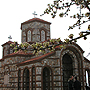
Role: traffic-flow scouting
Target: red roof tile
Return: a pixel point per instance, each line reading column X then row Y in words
column 34, row 19
column 18, row 53
column 36, row 59
column 9, row 42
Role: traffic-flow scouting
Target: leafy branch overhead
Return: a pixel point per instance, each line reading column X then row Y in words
column 64, row 6
column 49, row 45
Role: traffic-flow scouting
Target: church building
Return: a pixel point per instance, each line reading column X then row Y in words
column 49, row 71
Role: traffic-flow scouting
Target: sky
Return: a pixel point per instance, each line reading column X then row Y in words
column 14, row 12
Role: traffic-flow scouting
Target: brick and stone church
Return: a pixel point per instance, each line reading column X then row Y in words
column 50, row 71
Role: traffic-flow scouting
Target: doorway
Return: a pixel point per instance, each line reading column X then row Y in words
column 67, row 70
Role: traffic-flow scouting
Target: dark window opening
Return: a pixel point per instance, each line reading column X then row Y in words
column 26, row 79
column 67, row 70
column 33, row 78
column 47, row 79
column 19, row 80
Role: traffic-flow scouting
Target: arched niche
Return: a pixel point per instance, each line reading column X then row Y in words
column 67, row 64
column 47, row 79
column 19, row 79
column 26, row 79
column 33, row 78
column 42, row 35
column 75, row 56
column 88, row 77
column 29, row 35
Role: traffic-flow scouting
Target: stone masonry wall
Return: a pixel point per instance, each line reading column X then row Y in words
column 35, row 28
column 9, row 71
column 53, row 63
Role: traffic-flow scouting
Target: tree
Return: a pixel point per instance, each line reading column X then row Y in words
column 52, row 9
column 63, row 5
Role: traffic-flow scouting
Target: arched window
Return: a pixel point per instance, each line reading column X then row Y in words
column 19, row 79
column 29, row 36
column 4, row 51
column 26, row 79
column 33, row 78
column 88, row 77
column 42, row 35
column 67, row 70
column 10, row 50
column 47, row 79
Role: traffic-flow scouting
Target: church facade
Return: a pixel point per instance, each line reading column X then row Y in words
column 50, row 71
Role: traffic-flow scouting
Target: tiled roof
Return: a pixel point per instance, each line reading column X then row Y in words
column 18, row 53
column 9, row 42
column 34, row 19
column 36, row 59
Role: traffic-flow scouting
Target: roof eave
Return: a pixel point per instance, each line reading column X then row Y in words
column 34, row 19
column 36, row 59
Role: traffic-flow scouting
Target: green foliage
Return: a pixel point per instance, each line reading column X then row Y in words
column 52, row 9
column 49, row 45
column 62, row 5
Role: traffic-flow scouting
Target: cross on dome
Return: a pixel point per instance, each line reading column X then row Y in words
column 34, row 14
column 9, row 37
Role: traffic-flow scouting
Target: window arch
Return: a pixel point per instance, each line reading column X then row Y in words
column 88, row 77
column 47, row 79
column 67, row 70
column 42, row 35
column 19, row 79
column 26, row 79
column 4, row 51
column 9, row 50
column 28, row 35
column 33, row 78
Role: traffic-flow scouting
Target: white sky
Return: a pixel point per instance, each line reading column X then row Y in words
column 14, row 12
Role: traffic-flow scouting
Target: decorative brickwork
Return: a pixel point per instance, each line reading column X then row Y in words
column 20, row 70
column 35, row 29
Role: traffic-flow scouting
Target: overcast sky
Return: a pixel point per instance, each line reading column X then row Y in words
column 14, row 12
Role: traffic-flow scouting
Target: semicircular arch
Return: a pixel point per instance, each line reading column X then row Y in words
column 76, row 55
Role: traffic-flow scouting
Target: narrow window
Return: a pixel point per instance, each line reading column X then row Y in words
column 67, row 70
column 29, row 36
column 26, row 79
column 19, row 79
column 88, row 77
column 47, row 79
column 4, row 51
column 33, row 78
column 42, row 35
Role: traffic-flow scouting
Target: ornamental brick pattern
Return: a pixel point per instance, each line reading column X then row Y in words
column 17, row 69
column 35, row 27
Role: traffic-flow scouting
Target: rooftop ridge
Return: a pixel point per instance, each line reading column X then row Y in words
column 34, row 19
